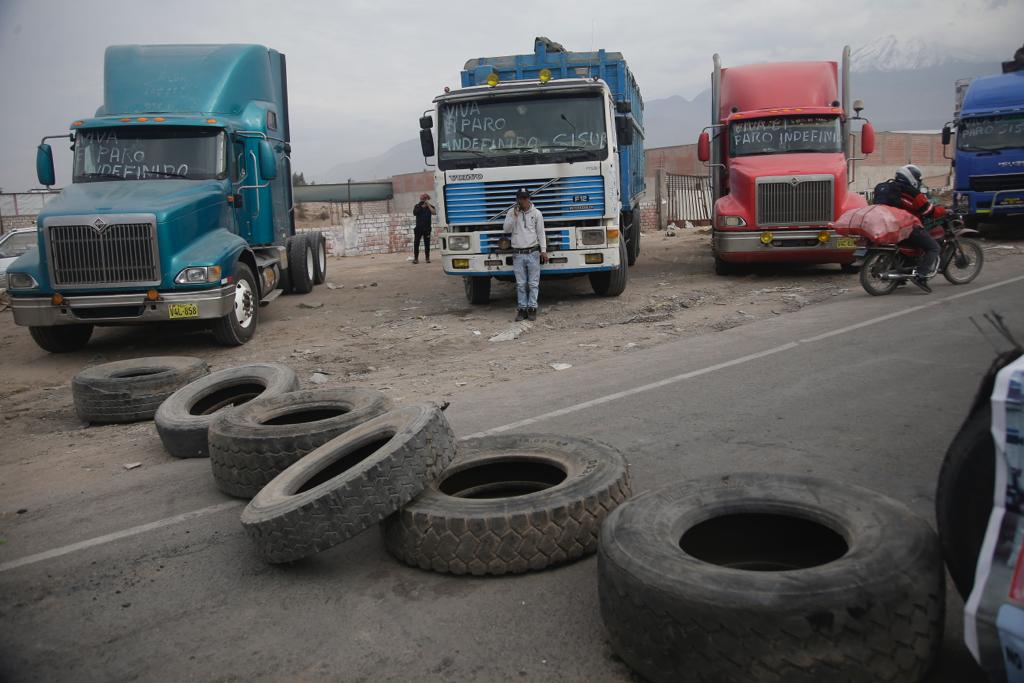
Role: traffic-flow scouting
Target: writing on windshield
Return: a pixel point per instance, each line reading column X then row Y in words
column 785, row 134
column 496, row 129
column 142, row 153
column 991, row 133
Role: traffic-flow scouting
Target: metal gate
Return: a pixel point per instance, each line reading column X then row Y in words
column 689, row 199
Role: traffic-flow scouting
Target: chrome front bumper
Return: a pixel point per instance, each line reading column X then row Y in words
column 750, row 241
column 38, row 311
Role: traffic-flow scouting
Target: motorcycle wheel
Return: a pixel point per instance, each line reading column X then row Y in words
column 965, row 263
column 875, row 265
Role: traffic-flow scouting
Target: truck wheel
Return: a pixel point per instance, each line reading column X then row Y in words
column 767, row 577
column 254, row 443
column 61, row 338
column 478, row 289
column 723, row 267
column 320, row 251
column 239, row 326
column 963, row 499
column 634, row 238
column 183, row 420
column 131, row 390
column 350, row 484
column 613, row 282
column 510, row 504
column 301, row 264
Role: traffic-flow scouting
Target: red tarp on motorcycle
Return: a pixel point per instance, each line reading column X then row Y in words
column 879, row 223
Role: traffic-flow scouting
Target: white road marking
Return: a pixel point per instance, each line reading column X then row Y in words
column 117, row 535
column 202, row 512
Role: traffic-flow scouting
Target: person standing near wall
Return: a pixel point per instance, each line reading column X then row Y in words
column 424, row 212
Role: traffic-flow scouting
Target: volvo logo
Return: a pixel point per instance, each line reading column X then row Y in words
column 461, row 177
column 99, row 225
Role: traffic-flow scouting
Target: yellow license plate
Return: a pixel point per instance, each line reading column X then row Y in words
column 176, row 311
column 846, row 243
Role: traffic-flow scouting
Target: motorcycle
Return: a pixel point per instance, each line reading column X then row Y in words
column 888, row 266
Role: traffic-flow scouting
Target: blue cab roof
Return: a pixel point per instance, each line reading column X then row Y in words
column 998, row 94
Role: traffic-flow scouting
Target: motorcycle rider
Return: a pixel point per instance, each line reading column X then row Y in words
column 908, row 182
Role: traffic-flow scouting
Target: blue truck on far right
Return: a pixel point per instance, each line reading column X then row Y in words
column 989, row 158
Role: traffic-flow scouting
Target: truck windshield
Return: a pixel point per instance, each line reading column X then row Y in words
column 991, row 133
column 782, row 135
column 501, row 132
column 17, row 244
column 145, row 153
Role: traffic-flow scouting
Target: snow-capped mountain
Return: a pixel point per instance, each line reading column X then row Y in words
column 889, row 53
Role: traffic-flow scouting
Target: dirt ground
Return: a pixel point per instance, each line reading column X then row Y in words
column 405, row 329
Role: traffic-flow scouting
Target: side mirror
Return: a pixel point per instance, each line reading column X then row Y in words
column 624, row 129
column 427, row 142
column 426, row 123
column 44, row 165
column 623, row 107
column 268, row 161
column 867, row 139
column 947, row 135
column 704, row 147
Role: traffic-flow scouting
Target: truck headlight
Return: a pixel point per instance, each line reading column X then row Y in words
column 21, row 281
column 591, row 238
column 458, row 243
column 731, row 222
column 198, row 275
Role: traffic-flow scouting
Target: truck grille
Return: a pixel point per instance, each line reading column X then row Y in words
column 103, row 254
column 992, row 183
column 794, row 200
column 564, row 199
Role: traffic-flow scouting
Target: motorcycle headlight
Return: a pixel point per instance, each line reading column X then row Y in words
column 458, row 243
column 21, row 281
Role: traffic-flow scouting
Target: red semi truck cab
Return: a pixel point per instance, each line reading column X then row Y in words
column 781, row 163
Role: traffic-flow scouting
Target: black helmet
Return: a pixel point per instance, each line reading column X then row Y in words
column 910, row 175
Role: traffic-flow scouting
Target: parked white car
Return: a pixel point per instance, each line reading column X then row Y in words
column 12, row 245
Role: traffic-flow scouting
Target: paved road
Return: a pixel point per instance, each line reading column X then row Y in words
column 865, row 390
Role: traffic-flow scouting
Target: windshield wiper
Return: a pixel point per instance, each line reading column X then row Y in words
column 111, row 176
column 166, row 174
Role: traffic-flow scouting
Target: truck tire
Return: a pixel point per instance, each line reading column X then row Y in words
column 61, row 338
column 767, row 577
column 239, row 326
column 510, row 504
column 320, row 252
column 350, row 483
column 478, row 290
column 724, row 268
column 183, row 420
column 612, row 282
column 634, row 238
column 301, row 264
column 963, row 498
column 131, row 390
column 254, row 443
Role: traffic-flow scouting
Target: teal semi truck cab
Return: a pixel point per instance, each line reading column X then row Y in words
column 180, row 207
column 568, row 127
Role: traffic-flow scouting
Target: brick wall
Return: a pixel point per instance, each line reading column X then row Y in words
column 649, row 219
column 384, row 233
column 20, row 221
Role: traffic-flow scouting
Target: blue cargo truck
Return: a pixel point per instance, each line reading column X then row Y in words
column 180, row 207
column 989, row 158
column 568, row 126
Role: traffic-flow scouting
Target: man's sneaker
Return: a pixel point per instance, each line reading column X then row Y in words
column 415, row 260
column 520, row 314
column 532, row 314
column 922, row 283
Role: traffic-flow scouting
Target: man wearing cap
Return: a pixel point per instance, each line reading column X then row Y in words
column 529, row 245
column 423, row 212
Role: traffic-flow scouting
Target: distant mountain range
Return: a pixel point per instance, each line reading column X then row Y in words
column 905, row 85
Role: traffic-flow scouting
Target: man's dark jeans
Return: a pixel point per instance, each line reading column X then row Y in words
column 421, row 234
column 920, row 239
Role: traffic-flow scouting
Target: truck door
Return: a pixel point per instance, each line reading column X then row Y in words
column 239, row 177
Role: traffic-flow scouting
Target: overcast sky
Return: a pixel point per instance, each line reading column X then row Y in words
column 361, row 72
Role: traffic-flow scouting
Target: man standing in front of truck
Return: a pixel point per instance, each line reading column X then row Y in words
column 526, row 223
column 424, row 212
